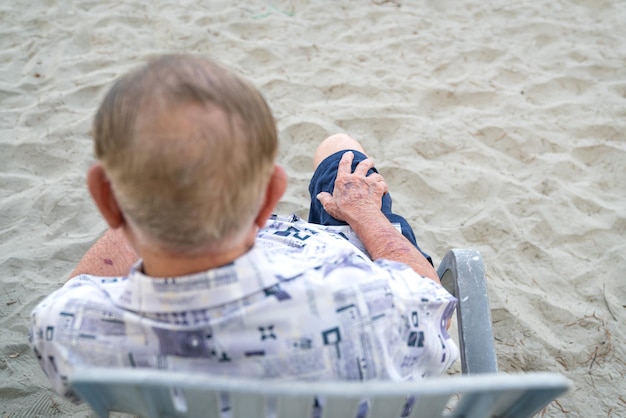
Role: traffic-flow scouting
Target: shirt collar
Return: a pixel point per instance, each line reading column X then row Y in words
column 245, row 276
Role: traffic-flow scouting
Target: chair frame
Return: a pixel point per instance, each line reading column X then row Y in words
column 462, row 273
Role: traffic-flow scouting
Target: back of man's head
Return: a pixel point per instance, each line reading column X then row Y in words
column 188, row 147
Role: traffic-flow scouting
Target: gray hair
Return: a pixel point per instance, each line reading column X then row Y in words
column 189, row 148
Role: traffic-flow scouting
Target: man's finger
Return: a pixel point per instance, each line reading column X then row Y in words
column 385, row 187
column 345, row 165
column 375, row 177
column 324, row 197
column 363, row 167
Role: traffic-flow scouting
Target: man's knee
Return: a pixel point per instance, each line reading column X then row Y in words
column 333, row 144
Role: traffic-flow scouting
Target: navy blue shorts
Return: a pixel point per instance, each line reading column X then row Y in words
column 323, row 180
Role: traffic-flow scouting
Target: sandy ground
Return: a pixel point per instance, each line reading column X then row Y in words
column 498, row 125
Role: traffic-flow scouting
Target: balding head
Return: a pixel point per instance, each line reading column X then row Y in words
column 188, row 147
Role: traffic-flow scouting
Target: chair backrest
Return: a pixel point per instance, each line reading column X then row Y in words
column 154, row 393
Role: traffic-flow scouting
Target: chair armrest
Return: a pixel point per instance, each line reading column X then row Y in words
column 462, row 273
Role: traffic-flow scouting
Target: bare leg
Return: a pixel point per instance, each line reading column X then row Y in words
column 110, row 256
column 333, row 144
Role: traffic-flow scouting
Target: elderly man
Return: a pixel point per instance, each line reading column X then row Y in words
column 196, row 274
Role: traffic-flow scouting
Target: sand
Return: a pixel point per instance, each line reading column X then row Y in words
column 498, row 126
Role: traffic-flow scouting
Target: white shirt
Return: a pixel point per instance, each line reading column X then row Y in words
column 303, row 303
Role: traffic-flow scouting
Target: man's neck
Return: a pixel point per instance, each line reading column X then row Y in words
column 158, row 263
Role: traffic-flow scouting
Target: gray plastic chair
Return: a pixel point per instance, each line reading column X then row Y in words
column 479, row 393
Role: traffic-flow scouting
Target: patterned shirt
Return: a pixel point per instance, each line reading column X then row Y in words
column 303, row 303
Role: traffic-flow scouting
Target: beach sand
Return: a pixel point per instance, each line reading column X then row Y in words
column 499, row 126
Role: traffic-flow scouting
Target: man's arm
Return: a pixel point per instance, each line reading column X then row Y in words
column 110, row 256
column 356, row 200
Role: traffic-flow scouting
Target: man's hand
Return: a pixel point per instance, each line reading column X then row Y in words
column 357, row 200
column 355, row 194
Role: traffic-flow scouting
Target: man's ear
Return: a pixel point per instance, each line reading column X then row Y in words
column 274, row 191
column 101, row 192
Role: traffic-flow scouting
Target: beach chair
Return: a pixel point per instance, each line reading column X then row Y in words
column 479, row 392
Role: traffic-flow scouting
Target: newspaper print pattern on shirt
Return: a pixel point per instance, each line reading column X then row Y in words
column 304, row 303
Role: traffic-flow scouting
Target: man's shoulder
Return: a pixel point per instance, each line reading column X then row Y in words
column 79, row 290
column 290, row 239
column 287, row 222
column 93, row 283
column 294, row 231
